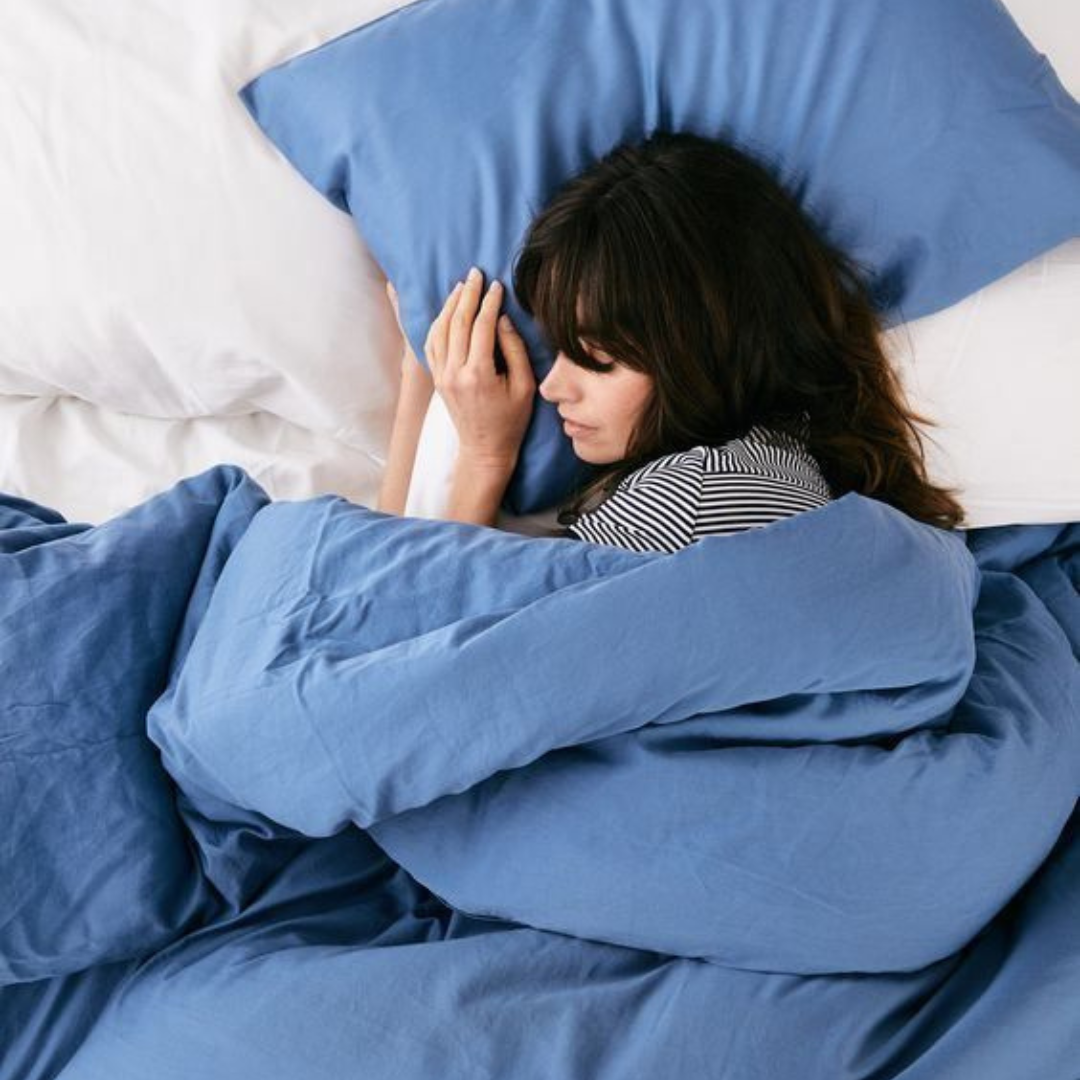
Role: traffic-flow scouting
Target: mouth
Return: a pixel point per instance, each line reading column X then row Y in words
column 572, row 428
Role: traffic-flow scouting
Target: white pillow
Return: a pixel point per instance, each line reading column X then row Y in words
column 159, row 255
column 999, row 372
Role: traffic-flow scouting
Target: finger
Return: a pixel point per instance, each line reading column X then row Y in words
column 482, row 342
column 462, row 320
column 518, row 365
column 441, row 326
column 435, row 345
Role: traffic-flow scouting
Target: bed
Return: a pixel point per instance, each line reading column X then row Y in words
column 268, row 816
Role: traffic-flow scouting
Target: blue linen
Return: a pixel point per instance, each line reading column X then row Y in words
column 91, row 622
column 438, row 800
column 929, row 140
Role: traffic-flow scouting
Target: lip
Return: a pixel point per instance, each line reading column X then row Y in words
column 574, row 423
column 573, row 428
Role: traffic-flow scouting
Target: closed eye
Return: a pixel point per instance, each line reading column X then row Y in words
column 600, row 361
column 599, row 366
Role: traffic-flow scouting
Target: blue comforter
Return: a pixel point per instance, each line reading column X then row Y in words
column 304, row 790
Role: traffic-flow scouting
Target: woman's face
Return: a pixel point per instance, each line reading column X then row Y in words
column 606, row 404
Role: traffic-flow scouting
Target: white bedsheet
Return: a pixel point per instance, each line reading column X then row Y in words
column 90, row 463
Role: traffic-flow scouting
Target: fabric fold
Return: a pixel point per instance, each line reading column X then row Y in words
column 780, row 750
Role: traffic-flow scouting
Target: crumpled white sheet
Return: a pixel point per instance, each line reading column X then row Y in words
column 92, row 463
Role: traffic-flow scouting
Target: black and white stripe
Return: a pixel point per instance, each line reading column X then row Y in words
column 709, row 490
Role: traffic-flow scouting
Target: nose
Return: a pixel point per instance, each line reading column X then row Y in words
column 552, row 388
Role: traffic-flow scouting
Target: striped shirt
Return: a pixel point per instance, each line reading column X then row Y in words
column 676, row 499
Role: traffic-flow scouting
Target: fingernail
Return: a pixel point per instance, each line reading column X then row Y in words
column 474, row 274
column 495, row 286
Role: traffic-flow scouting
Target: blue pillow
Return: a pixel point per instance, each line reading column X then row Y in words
column 929, row 140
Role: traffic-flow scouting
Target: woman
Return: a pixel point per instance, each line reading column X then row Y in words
column 716, row 358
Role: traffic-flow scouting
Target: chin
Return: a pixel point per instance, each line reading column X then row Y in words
column 592, row 455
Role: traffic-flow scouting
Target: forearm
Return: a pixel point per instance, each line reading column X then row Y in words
column 414, row 397
column 476, row 490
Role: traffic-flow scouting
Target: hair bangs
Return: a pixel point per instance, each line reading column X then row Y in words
column 567, row 280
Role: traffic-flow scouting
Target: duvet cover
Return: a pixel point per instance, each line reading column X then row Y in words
column 304, row 790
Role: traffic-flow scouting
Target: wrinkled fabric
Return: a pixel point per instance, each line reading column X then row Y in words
column 797, row 802
column 96, row 866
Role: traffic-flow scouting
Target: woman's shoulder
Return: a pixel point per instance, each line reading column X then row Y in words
column 763, row 455
column 761, row 447
column 768, row 451
column 681, row 464
column 653, row 508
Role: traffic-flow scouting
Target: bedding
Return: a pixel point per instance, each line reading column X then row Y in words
column 1056, row 28
column 93, row 463
column 797, row 802
column 157, row 260
column 1007, row 433
column 929, row 141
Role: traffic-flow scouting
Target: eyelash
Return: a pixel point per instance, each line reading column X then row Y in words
column 600, row 365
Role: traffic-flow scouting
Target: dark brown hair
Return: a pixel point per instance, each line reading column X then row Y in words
column 691, row 262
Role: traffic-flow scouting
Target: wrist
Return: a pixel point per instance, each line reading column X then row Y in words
column 477, row 488
column 484, row 464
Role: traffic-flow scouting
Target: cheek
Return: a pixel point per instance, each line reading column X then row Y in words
column 635, row 397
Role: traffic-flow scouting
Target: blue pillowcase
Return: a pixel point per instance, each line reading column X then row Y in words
column 929, row 140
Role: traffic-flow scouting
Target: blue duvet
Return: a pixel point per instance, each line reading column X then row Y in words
column 304, row 790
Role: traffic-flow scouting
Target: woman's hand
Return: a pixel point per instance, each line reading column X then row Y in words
column 490, row 410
